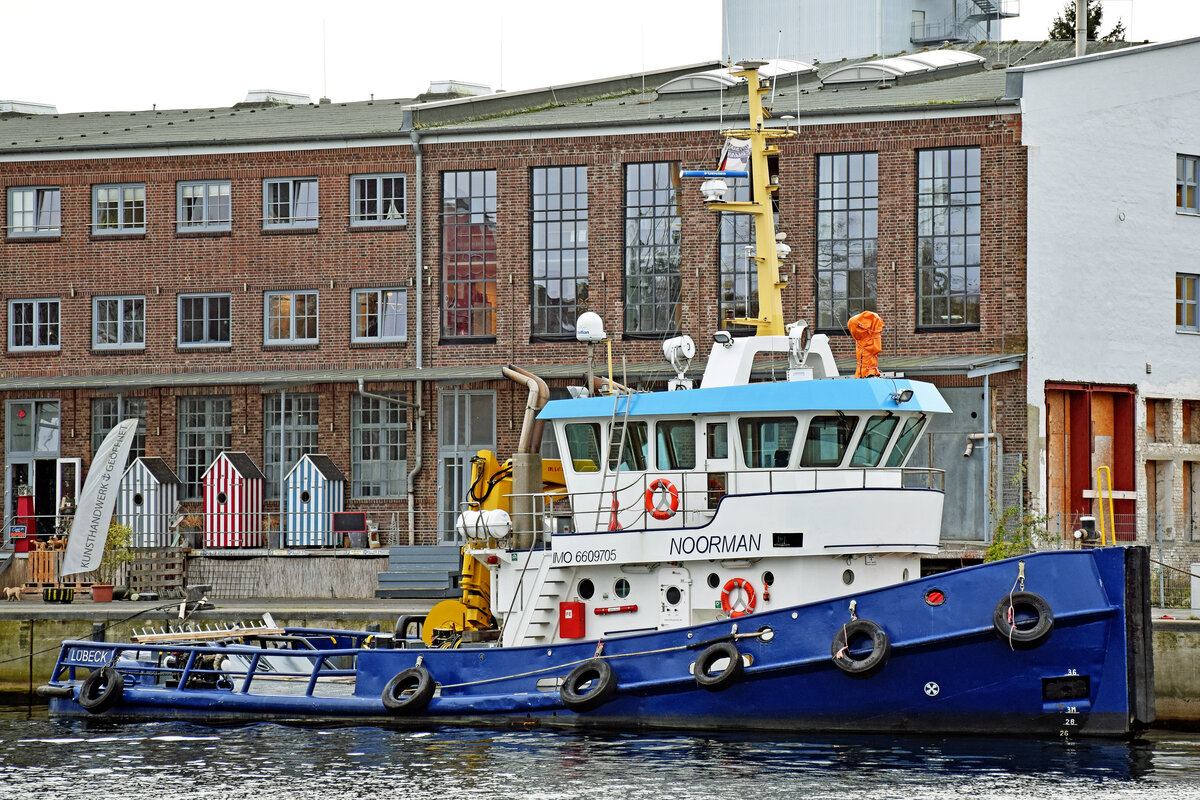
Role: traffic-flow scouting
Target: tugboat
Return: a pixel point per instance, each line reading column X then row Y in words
column 741, row 555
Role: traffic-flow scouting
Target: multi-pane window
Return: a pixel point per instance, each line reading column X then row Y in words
column 653, row 220
column 847, row 227
column 1186, row 196
column 290, row 203
column 377, row 200
column 290, row 428
column 380, row 315
column 378, row 447
column 205, row 431
column 291, row 318
column 203, row 206
column 34, row 211
column 1185, row 302
column 118, row 322
column 108, row 411
column 33, row 324
column 119, row 208
column 948, row 209
column 203, row 319
column 469, row 253
column 739, row 270
column 560, row 249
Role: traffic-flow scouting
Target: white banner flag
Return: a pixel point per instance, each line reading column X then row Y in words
column 93, row 512
column 735, row 155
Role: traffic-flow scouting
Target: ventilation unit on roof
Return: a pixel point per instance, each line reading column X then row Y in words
column 460, row 88
column 275, row 97
column 21, row 107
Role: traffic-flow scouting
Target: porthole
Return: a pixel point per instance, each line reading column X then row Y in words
column 222, row 498
column 848, row 577
column 305, row 496
column 586, row 589
column 138, row 499
column 768, row 578
column 904, row 576
column 714, row 580
column 621, row 588
column 674, row 595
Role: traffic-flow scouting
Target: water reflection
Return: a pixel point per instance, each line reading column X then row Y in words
column 40, row 757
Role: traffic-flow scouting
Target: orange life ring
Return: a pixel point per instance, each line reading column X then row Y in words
column 745, row 586
column 652, row 499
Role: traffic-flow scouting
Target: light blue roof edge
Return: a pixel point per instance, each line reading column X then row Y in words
column 846, row 394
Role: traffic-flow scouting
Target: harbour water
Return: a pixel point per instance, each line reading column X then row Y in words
column 47, row 758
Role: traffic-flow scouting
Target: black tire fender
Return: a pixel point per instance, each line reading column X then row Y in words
column 731, row 674
column 409, row 691
column 1020, row 634
column 101, row 690
column 847, row 662
column 600, row 682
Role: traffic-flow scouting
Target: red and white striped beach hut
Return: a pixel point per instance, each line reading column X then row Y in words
column 233, row 502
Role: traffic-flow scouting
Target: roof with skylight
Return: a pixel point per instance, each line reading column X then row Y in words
column 906, row 66
column 720, row 79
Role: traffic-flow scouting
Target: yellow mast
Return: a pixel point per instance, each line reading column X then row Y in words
column 770, row 289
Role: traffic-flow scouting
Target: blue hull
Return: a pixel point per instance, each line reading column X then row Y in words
column 948, row 670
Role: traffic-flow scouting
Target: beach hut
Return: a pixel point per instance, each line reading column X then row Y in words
column 147, row 502
column 233, row 502
column 314, row 490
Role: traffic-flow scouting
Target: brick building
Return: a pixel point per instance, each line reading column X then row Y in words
column 348, row 278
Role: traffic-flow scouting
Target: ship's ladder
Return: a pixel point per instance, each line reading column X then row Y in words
column 538, row 623
column 607, row 504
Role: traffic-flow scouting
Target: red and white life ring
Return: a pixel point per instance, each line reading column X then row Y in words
column 750, row 602
column 664, row 510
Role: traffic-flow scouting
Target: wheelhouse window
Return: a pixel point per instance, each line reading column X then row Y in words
column 904, row 442
column 675, row 444
column 560, row 249
column 378, row 447
column 583, row 443
column 204, row 320
column 380, row 315
column 827, row 440
column 1185, row 303
column 33, row 324
column 628, row 448
column 291, row 318
column 108, row 411
column 1186, row 171
column 203, row 206
column 948, row 224
column 119, row 208
column 847, row 227
column 653, row 249
column 874, row 440
column 290, row 203
column 469, row 253
column 378, row 200
column 205, row 431
column 767, row 441
column 119, row 322
column 34, row 211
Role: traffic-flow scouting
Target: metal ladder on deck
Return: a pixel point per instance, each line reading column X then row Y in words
column 539, row 619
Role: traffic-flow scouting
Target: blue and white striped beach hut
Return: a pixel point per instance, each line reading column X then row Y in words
column 147, row 501
column 314, row 490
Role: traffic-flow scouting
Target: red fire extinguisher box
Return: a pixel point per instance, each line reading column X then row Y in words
column 572, row 620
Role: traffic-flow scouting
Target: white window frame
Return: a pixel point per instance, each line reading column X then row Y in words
column 39, row 196
column 40, row 306
column 125, row 205
column 381, row 218
column 292, row 222
column 208, row 319
column 120, row 322
column 379, row 314
column 206, row 223
column 292, row 338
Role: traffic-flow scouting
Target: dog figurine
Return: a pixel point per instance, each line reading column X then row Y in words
column 12, row 593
